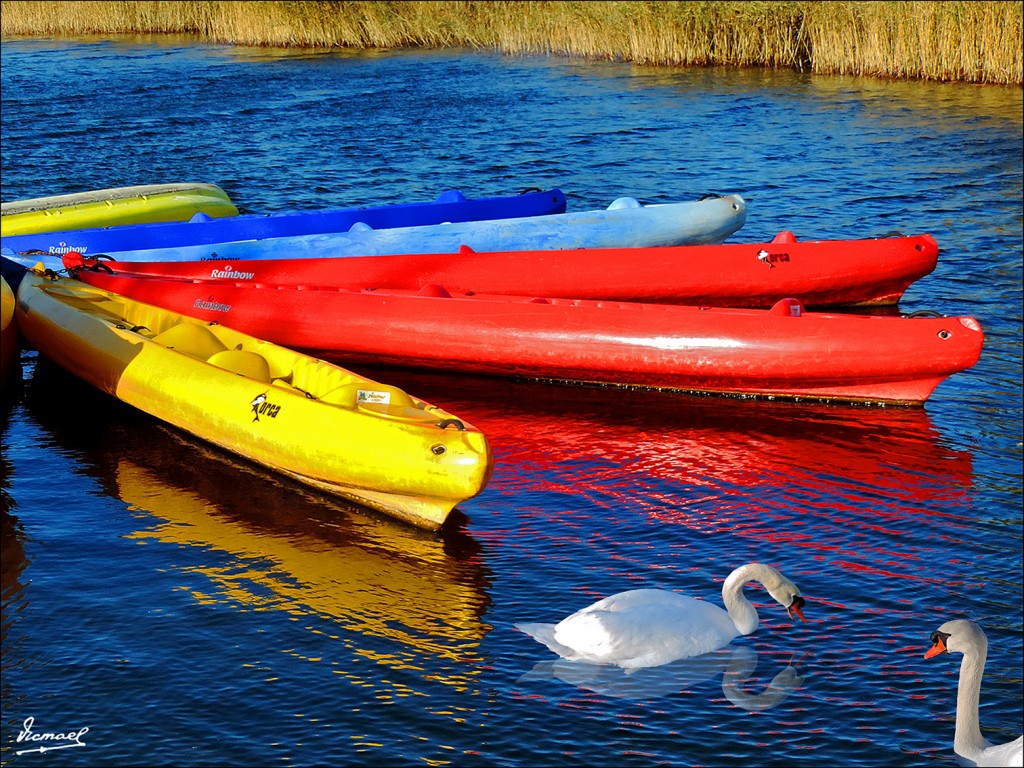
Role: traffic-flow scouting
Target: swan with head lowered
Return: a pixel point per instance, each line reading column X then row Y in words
column 971, row 748
column 649, row 627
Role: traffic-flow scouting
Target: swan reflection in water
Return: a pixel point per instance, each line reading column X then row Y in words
column 736, row 665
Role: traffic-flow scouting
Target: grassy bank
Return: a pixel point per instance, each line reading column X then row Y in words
column 978, row 41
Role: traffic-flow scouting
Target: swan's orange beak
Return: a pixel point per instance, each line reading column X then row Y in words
column 797, row 607
column 937, row 648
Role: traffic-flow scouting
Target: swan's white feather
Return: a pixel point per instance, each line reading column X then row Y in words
column 650, row 627
column 970, row 747
column 1009, row 754
column 645, row 628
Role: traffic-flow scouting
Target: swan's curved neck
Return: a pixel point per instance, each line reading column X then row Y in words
column 968, row 739
column 741, row 611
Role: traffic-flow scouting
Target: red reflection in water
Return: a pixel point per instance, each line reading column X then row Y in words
column 714, row 443
column 852, row 485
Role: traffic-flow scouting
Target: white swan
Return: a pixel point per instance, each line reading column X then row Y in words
column 971, row 748
column 650, row 627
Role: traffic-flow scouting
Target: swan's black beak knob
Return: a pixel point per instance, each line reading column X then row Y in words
column 938, row 644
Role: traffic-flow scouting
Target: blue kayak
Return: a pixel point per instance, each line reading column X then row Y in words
column 624, row 224
column 450, row 206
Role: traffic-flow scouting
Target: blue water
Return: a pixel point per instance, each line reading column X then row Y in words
column 190, row 610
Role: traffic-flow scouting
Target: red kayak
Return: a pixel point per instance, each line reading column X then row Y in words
column 819, row 273
column 780, row 352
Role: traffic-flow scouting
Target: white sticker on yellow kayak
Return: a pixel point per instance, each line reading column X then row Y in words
column 373, row 396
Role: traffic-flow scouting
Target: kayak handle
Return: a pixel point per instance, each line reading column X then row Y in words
column 445, row 423
column 74, row 261
column 95, row 264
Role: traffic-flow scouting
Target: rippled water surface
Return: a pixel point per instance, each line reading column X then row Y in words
column 190, row 610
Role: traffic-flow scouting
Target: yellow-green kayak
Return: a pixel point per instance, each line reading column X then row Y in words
column 318, row 423
column 113, row 207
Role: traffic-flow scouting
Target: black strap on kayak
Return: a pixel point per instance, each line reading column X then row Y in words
column 95, row 263
column 74, row 262
column 445, row 423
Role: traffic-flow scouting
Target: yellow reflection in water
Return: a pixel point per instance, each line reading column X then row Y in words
column 387, row 583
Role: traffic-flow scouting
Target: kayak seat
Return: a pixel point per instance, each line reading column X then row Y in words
column 317, row 377
column 451, row 196
column 252, row 365
column 787, row 308
column 435, row 290
column 283, row 383
column 624, row 202
column 345, row 395
column 191, row 339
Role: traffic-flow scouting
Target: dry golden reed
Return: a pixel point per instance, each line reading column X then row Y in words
column 971, row 41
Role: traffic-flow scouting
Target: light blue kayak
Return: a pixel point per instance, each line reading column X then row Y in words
column 624, row 224
column 203, row 230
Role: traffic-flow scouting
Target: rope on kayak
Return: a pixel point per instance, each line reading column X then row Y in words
column 309, row 395
column 48, row 274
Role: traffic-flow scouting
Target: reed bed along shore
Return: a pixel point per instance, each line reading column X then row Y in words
column 978, row 42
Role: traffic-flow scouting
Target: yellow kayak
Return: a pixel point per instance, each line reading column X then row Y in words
column 10, row 342
column 316, row 422
column 113, row 207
